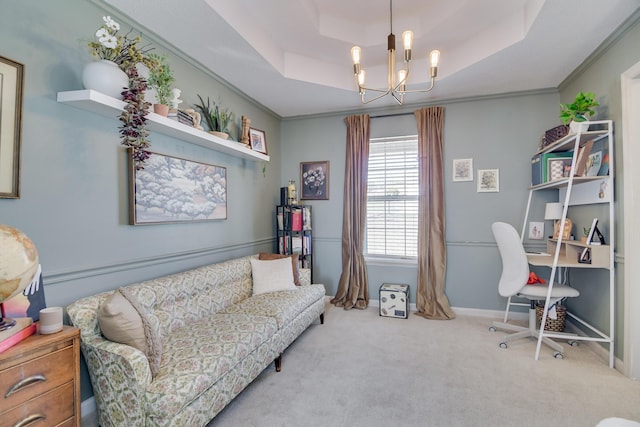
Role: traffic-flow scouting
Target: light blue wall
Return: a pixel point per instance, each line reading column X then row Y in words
column 74, row 179
column 496, row 132
column 601, row 75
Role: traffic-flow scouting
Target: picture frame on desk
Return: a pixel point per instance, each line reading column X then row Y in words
column 536, row 230
column 585, row 256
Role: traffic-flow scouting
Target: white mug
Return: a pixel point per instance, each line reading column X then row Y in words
column 50, row 320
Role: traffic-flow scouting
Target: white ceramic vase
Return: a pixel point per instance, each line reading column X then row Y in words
column 105, row 77
column 576, row 127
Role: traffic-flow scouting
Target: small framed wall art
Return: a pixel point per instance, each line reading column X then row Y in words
column 314, row 180
column 488, row 180
column 258, row 140
column 462, row 170
column 11, row 92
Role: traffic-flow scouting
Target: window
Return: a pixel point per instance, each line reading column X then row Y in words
column 392, row 198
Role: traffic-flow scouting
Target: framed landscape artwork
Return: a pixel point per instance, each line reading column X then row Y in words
column 314, row 180
column 171, row 189
column 11, row 87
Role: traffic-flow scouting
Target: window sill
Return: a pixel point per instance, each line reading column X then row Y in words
column 390, row 262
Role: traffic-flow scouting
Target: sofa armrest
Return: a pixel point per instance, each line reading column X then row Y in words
column 120, row 374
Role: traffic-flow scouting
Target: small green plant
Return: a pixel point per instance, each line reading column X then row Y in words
column 217, row 119
column 161, row 78
column 585, row 231
column 578, row 110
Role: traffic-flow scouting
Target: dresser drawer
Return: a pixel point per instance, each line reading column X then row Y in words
column 36, row 376
column 52, row 408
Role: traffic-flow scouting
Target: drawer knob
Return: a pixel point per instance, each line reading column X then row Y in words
column 31, row 418
column 24, row 383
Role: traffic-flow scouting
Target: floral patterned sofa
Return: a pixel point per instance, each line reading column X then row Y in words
column 216, row 337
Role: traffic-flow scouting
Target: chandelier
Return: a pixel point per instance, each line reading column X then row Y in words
column 397, row 89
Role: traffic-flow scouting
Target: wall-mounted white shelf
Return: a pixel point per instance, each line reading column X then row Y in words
column 107, row 106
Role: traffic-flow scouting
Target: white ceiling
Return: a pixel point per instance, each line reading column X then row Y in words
column 293, row 56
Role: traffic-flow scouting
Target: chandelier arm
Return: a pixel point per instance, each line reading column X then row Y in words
column 373, row 99
column 382, row 91
column 433, row 81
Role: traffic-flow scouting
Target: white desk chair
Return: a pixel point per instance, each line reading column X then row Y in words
column 513, row 283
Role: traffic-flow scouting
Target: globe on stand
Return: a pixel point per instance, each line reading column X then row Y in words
column 18, row 265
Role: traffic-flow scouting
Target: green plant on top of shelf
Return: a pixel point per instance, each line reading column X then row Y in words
column 218, row 119
column 580, row 109
column 161, row 78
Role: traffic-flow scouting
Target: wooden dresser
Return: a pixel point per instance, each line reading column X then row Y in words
column 40, row 381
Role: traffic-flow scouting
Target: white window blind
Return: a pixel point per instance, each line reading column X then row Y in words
column 392, row 197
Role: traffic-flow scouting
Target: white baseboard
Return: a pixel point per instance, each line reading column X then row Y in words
column 601, row 351
column 478, row 312
column 88, row 408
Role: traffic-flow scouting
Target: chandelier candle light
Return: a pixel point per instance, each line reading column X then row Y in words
column 395, row 89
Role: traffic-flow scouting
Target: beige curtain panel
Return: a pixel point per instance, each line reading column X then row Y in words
column 431, row 300
column 353, row 288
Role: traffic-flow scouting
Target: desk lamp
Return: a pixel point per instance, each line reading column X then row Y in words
column 553, row 211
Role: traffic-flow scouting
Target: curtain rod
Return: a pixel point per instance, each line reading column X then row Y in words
column 390, row 115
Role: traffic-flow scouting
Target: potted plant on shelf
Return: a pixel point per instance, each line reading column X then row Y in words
column 218, row 119
column 122, row 52
column 579, row 111
column 161, row 78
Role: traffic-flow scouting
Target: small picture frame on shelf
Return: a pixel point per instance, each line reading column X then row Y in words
column 558, row 168
column 584, row 257
column 258, row 140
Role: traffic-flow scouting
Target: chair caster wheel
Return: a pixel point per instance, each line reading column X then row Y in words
column 492, row 328
column 503, row 345
column 558, row 355
column 573, row 343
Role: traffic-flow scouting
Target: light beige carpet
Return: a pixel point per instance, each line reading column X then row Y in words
column 359, row 369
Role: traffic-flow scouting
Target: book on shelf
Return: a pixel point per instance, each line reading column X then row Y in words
column 296, row 219
column 581, row 160
column 306, row 245
column 280, row 219
column 296, row 244
column 306, row 220
column 23, row 328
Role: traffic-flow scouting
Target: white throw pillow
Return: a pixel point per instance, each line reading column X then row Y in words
column 272, row 275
